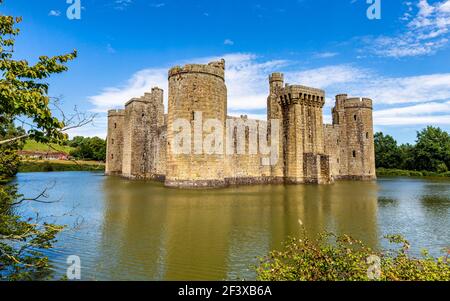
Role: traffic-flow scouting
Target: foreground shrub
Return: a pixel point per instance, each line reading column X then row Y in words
column 332, row 258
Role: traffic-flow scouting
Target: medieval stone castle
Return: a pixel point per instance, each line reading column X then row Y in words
column 140, row 136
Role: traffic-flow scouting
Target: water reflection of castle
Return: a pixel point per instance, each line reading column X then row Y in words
column 179, row 235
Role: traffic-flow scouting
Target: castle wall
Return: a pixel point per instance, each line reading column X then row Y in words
column 248, row 168
column 135, row 153
column 139, row 137
column 332, row 147
column 196, row 88
column 114, row 145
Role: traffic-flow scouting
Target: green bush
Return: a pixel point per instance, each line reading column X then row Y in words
column 333, row 258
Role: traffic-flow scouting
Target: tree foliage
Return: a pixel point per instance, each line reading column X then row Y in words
column 342, row 258
column 387, row 154
column 430, row 153
column 22, row 241
column 88, row 148
column 23, row 97
column 23, row 90
column 9, row 159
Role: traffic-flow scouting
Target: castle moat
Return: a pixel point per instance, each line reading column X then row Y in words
column 140, row 230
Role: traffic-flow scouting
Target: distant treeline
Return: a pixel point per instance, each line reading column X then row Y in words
column 85, row 148
column 429, row 156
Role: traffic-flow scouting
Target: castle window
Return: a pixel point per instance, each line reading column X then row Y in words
column 193, row 115
column 143, row 114
column 338, row 160
column 115, row 125
column 367, row 135
column 354, row 154
column 112, row 141
column 112, row 156
column 354, row 117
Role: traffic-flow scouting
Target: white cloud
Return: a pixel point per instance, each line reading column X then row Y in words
column 426, row 32
column 122, row 4
column 136, row 86
column 54, row 13
column 228, row 42
column 325, row 55
column 421, row 114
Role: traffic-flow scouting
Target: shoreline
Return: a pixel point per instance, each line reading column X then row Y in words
column 60, row 165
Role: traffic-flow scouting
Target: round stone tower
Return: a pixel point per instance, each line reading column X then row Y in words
column 197, row 93
column 360, row 140
column 115, row 142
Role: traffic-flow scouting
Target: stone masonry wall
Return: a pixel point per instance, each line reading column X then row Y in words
column 139, row 137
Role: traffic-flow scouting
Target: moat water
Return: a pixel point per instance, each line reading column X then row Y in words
column 128, row 230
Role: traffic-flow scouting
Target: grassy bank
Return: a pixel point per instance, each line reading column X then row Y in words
column 33, row 146
column 384, row 172
column 60, row 165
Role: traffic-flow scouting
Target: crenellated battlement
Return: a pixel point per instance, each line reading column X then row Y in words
column 216, row 68
column 117, row 112
column 357, row 102
column 276, row 77
column 292, row 94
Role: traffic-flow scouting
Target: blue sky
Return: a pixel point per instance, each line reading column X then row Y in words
column 126, row 46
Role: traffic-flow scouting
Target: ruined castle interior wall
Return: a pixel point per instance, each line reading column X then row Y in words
column 196, row 88
column 114, row 145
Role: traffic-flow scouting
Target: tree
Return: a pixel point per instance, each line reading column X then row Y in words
column 98, row 147
column 23, row 90
column 88, row 148
column 387, row 153
column 9, row 159
column 23, row 98
column 407, row 156
column 432, row 150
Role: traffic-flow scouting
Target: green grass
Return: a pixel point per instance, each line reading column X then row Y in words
column 33, row 146
column 60, row 165
column 385, row 172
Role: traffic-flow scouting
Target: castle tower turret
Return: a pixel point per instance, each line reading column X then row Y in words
column 354, row 151
column 144, row 117
column 303, row 135
column 114, row 143
column 274, row 112
column 196, row 91
column 360, row 140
